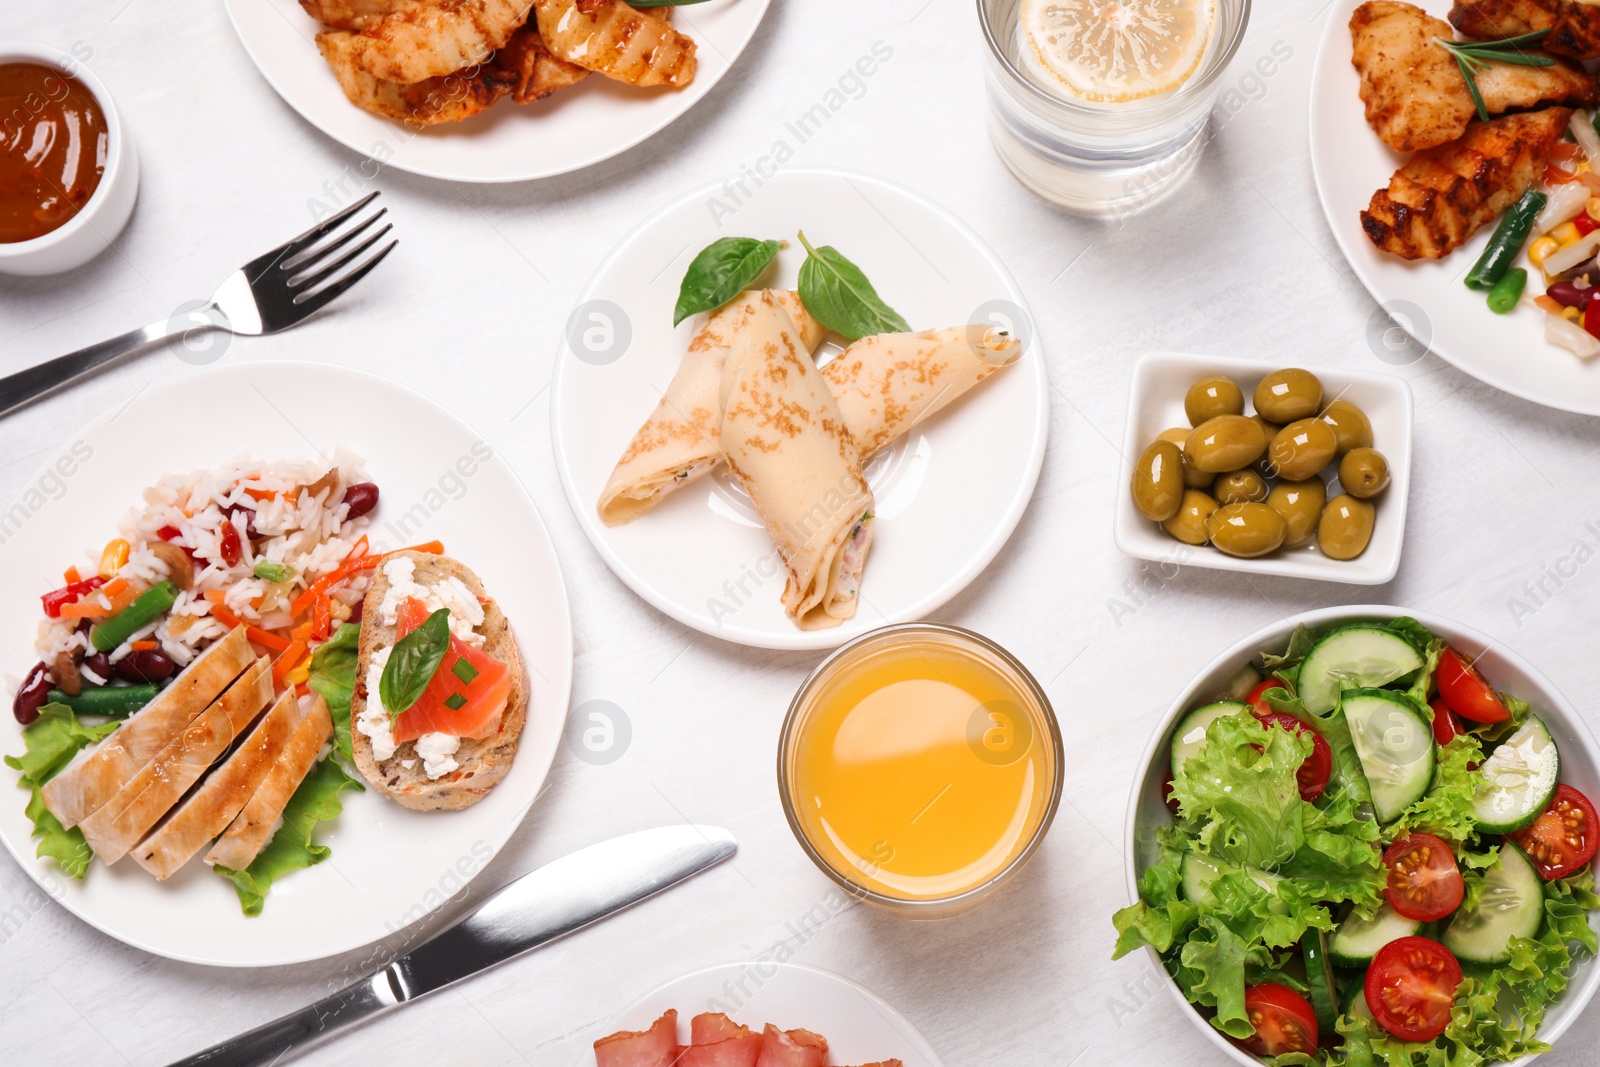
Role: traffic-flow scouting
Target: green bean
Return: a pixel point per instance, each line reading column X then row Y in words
column 1507, row 241
column 150, row 606
column 114, row 701
column 273, row 571
column 1508, row 290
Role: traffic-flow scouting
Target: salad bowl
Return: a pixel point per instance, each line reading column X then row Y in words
column 1510, row 673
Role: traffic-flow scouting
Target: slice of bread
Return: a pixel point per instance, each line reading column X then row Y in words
column 483, row 761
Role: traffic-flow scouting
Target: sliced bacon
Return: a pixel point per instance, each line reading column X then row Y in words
column 711, row 1026
column 741, row 1051
column 792, row 1048
column 655, row 1047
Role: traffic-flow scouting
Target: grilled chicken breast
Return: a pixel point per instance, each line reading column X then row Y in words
column 1414, row 92
column 413, row 44
column 446, row 98
column 534, row 70
column 249, row 833
column 356, row 15
column 1443, row 195
column 1574, row 25
column 611, row 38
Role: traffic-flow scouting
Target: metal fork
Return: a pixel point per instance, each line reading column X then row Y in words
column 268, row 294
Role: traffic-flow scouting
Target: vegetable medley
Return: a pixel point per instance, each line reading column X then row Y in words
column 1372, row 860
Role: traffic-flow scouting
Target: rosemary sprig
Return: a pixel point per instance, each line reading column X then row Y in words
column 1473, row 56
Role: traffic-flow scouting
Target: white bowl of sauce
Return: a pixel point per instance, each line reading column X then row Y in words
column 69, row 174
column 920, row 768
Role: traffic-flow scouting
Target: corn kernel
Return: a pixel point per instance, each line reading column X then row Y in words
column 112, row 557
column 1541, row 248
column 1571, row 314
column 1593, row 208
column 1566, row 234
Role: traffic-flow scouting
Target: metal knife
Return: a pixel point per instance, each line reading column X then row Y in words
column 541, row 906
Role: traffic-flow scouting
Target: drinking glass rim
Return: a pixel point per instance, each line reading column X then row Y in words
column 1032, row 689
column 1218, row 63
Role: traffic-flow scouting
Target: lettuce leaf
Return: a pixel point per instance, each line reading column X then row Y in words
column 1347, row 777
column 1287, row 666
column 1211, row 973
column 51, row 741
column 1446, row 809
column 292, row 847
column 333, row 676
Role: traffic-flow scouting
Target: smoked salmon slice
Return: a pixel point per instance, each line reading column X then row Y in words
column 655, row 1047
column 467, row 694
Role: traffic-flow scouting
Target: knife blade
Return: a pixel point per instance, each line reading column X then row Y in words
column 562, row 896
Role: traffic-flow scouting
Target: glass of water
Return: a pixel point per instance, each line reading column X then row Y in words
column 1070, row 122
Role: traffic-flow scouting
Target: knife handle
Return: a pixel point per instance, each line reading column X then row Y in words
column 300, row 1030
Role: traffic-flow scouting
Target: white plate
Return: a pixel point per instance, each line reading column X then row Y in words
column 860, row 1026
column 1427, row 298
column 948, row 494
column 389, row 866
column 574, row 128
column 1156, row 403
column 1580, row 768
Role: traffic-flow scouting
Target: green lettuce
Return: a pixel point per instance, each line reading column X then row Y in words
column 333, row 676
column 1347, row 777
column 292, row 847
column 51, row 741
column 1446, row 809
column 1160, row 918
column 1287, row 666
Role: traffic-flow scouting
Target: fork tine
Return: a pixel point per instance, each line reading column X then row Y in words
column 311, row 256
column 310, row 282
column 327, row 225
column 307, row 304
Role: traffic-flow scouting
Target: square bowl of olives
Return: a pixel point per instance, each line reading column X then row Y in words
column 1244, row 465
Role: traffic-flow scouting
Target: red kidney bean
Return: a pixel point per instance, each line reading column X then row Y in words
column 356, row 609
column 145, row 666
column 361, row 498
column 35, row 690
column 1569, row 295
column 100, row 664
column 232, row 547
column 84, row 626
column 249, row 523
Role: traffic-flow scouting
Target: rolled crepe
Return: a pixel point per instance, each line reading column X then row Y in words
column 888, row 383
column 679, row 441
column 785, row 440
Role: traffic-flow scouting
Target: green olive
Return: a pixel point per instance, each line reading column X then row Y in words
column 1289, row 394
column 1269, row 429
column 1346, row 527
column 1213, row 396
column 1300, row 504
column 1224, row 443
column 1177, row 435
column 1158, row 481
column 1302, row 448
column 1189, row 524
column 1364, row 473
column 1350, row 425
column 1239, row 487
column 1247, row 530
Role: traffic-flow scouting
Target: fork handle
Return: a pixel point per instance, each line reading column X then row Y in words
column 26, row 386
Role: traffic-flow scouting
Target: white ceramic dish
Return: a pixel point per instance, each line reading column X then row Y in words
column 1156, row 403
column 1427, row 298
column 100, row 221
column 860, row 1026
column 948, row 494
column 572, row 129
column 1580, row 768
column 389, row 866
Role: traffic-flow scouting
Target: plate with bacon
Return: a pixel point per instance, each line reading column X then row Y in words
column 492, row 90
column 760, row 1014
column 1457, row 157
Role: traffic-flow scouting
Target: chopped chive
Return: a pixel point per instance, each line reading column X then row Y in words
column 455, row 701
column 465, row 671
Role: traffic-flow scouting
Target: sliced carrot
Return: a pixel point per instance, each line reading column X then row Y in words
column 144, row 646
column 261, row 494
column 264, row 638
column 115, row 587
column 288, row 661
column 216, row 596
column 303, row 631
column 354, row 565
column 89, row 607
column 71, row 575
column 321, row 617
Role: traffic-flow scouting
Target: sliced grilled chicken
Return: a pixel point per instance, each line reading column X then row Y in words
column 611, row 38
column 431, row 40
column 96, row 774
column 161, row 783
column 356, row 15
column 447, row 98
column 249, row 833
column 1574, row 25
column 535, row 70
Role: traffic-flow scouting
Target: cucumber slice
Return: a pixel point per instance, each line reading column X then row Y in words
column 1519, row 778
column 1363, row 655
column 1319, row 977
column 1200, row 872
column 1512, row 905
column 1357, row 940
column 1190, row 736
column 1395, row 744
column 1356, row 1006
column 1243, row 680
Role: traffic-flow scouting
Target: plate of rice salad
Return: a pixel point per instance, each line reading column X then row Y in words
column 155, row 575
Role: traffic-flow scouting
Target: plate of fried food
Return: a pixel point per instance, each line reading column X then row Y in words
column 790, row 420
column 279, row 692
column 492, row 90
column 1457, row 157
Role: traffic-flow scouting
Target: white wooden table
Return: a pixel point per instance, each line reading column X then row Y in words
column 470, row 307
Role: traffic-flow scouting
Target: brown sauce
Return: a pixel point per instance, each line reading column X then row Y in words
column 53, row 143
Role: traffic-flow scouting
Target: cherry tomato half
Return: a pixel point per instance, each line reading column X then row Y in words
column 1312, row 778
column 1466, row 692
column 1424, row 882
column 1447, row 724
column 1258, row 707
column 1564, row 837
column 1411, row 985
column 1284, row 1021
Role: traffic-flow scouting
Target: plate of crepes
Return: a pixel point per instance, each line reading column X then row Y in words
column 492, row 90
column 1457, row 156
column 820, row 414
column 760, row 1014
column 281, row 690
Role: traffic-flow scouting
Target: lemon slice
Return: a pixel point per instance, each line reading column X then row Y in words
column 1113, row 51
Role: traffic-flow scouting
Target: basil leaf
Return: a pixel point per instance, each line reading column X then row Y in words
column 722, row 270
column 413, row 662
column 839, row 296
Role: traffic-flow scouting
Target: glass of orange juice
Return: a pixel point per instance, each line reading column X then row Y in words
column 920, row 767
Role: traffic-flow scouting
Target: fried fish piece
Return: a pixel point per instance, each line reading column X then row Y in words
column 1415, row 95
column 611, row 38
column 1574, row 25
column 1443, row 195
column 445, row 98
column 534, row 71
column 355, row 15
column 425, row 41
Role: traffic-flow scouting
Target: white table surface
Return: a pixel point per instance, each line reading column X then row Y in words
column 470, row 307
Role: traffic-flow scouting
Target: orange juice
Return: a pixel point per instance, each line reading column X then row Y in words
column 921, row 763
